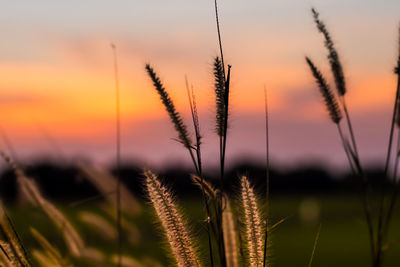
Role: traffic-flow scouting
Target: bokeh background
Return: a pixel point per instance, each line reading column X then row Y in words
column 57, row 80
column 57, row 106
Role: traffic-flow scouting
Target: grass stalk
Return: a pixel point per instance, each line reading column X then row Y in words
column 354, row 162
column 226, row 114
column 349, row 125
column 229, row 236
column 180, row 127
column 50, row 250
column 172, row 221
column 358, row 171
column 396, row 189
column 267, row 173
column 196, row 124
column 253, row 223
column 315, row 246
column 337, row 71
column 199, row 179
column 10, row 235
column 118, row 154
column 346, row 148
column 31, row 191
column 384, row 219
column 219, row 36
column 394, row 179
column 226, row 84
column 221, row 127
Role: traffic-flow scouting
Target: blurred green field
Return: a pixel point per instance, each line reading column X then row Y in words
column 343, row 238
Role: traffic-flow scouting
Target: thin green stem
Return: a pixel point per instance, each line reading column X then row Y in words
column 358, row 171
column 315, row 246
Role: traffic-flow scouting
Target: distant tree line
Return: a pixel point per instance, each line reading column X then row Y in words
column 67, row 183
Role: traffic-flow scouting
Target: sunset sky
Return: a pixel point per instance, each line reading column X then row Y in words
column 57, row 76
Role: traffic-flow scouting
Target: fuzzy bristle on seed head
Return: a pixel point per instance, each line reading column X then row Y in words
column 205, row 186
column 5, row 254
column 329, row 98
column 32, row 193
column 12, row 247
column 98, row 224
column 174, row 115
column 333, row 55
column 171, row 220
column 103, row 181
column 252, row 223
column 219, row 87
column 52, row 252
column 72, row 239
column 228, row 226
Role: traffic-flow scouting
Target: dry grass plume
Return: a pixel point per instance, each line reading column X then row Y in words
column 172, row 222
column 253, row 224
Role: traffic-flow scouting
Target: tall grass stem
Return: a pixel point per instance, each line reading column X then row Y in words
column 267, row 173
column 118, row 153
column 315, row 245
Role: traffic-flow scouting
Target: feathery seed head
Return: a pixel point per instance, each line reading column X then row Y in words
column 174, row 115
column 333, row 55
column 31, row 191
column 11, row 245
column 52, row 252
column 18, row 171
column 171, row 220
column 195, row 115
column 220, row 89
column 98, row 224
column 329, row 98
column 209, row 190
column 5, row 255
column 103, row 181
column 253, row 223
column 228, row 227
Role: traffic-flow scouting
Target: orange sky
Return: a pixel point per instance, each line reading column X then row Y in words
column 57, row 73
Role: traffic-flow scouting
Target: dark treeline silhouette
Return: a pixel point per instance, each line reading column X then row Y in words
column 67, row 183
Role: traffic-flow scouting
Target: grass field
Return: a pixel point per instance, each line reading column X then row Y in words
column 343, row 238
